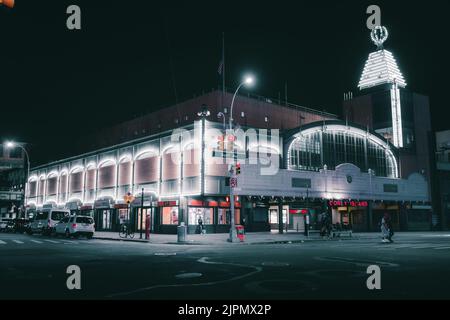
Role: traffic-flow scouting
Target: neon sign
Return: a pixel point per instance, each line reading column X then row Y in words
column 347, row 203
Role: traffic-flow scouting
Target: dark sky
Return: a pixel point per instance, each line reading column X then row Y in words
column 59, row 84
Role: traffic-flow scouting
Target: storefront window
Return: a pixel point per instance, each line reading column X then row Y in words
column 273, row 216
column 224, row 216
column 170, row 215
column 205, row 214
column 123, row 215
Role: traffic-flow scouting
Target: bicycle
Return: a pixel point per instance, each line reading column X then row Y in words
column 126, row 231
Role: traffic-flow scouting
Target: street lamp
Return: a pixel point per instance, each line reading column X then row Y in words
column 10, row 145
column 222, row 115
column 248, row 81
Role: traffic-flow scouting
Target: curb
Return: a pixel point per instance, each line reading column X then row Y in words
column 187, row 243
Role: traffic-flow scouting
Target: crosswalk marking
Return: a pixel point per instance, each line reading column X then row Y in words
column 51, row 241
column 442, row 248
column 36, row 241
column 2, row 242
column 19, row 242
column 69, row 242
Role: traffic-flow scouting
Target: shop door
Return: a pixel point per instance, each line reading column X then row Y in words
column 141, row 219
column 298, row 223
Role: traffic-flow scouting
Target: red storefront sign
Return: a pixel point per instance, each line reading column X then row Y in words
column 347, row 203
column 298, row 211
column 167, row 203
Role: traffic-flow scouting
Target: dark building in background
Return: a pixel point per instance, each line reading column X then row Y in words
column 402, row 117
column 251, row 111
column 12, row 177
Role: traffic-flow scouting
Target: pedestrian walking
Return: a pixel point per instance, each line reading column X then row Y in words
column 386, row 228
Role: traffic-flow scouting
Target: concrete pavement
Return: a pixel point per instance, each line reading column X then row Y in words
column 415, row 266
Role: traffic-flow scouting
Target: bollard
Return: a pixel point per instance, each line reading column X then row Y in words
column 181, row 232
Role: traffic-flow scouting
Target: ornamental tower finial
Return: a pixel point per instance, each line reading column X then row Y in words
column 379, row 35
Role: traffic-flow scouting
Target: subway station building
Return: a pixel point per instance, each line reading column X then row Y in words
column 294, row 161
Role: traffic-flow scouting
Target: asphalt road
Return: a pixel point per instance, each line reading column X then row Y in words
column 414, row 267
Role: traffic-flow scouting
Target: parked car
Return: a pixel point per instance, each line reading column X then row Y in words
column 75, row 226
column 4, row 224
column 10, row 226
column 46, row 220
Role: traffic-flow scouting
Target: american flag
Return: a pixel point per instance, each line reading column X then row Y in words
column 220, row 69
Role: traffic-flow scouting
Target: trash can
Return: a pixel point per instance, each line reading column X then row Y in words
column 181, row 232
column 240, row 233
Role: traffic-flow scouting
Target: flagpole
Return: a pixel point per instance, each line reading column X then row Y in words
column 223, row 58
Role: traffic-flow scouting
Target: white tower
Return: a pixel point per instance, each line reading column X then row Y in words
column 381, row 68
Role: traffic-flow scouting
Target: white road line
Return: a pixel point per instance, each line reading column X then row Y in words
column 17, row 241
column 2, row 242
column 422, row 247
column 69, row 242
column 51, row 241
column 442, row 248
column 36, row 241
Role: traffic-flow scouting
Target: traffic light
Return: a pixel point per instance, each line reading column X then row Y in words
column 230, row 142
column 220, row 143
column 238, row 168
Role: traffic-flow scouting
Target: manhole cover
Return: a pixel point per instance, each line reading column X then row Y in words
column 188, row 275
column 275, row 264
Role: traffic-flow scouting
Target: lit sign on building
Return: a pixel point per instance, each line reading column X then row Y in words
column 347, row 203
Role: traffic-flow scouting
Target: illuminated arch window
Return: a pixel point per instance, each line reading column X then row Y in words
column 171, row 164
column 125, row 167
column 52, row 184
column 107, row 175
column 32, row 187
column 76, row 180
column 315, row 147
column 146, row 168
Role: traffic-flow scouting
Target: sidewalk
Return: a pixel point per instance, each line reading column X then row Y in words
column 221, row 238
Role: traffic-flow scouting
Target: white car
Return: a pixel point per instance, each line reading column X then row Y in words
column 4, row 225
column 45, row 221
column 76, row 226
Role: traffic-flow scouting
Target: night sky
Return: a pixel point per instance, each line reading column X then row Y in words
column 132, row 57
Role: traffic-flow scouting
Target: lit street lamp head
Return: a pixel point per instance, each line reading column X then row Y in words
column 10, row 144
column 249, row 80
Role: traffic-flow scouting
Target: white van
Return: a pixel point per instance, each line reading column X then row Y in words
column 46, row 220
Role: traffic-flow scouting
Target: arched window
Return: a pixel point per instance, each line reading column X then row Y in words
column 76, row 180
column 171, row 164
column 338, row 144
column 107, row 175
column 32, row 188
column 52, row 184
column 91, row 175
column 146, row 168
column 125, row 167
column 191, row 161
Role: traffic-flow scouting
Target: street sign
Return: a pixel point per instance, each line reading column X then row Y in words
column 233, row 183
column 128, row 198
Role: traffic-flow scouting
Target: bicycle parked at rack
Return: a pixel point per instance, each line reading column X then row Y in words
column 126, row 231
